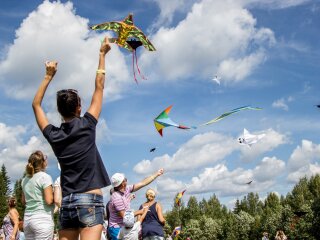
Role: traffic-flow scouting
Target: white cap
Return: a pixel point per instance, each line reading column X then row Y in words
column 128, row 219
column 117, row 179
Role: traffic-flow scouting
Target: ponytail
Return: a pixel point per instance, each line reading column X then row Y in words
column 29, row 170
column 35, row 163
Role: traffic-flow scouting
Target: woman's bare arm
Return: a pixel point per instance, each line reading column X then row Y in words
column 42, row 121
column 96, row 101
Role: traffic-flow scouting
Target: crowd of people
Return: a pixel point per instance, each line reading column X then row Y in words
column 77, row 194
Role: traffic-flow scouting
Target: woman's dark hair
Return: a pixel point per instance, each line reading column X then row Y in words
column 67, row 102
column 35, row 163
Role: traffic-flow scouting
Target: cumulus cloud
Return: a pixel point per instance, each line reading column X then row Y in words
column 54, row 32
column 225, row 182
column 215, row 36
column 268, row 169
column 302, row 161
column 15, row 150
column 208, row 148
column 168, row 8
column 202, row 149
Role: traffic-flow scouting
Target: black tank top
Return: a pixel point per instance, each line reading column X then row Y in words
column 151, row 225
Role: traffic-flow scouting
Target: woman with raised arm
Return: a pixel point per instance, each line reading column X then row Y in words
column 74, row 143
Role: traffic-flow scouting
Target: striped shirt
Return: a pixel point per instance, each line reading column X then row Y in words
column 120, row 201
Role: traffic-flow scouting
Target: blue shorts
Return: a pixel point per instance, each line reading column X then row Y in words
column 114, row 233
column 80, row 210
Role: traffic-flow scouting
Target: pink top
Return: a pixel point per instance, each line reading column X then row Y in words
column 120, row 201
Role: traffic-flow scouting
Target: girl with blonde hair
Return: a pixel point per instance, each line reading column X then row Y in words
column 38, row 197
column 152, row 226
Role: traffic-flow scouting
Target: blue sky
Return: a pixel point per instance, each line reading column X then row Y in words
column 266, row 52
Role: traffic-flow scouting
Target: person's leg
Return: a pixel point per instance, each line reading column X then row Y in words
column 93, row 233
column 69, row 234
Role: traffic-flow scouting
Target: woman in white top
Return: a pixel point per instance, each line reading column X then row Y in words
column 38, row 197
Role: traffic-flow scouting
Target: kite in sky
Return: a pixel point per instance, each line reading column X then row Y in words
column 249, row 139
column 153, row 149
column 176, row 231
column 226, row 114
column 129, row 37
column 318, row 106
column 163, row 121
column 249, row 182
column 216, row 79
column 178, row 198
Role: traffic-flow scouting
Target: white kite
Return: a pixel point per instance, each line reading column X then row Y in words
column 249, row 139
column 216, row 79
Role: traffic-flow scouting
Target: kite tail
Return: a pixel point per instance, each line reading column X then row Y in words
column 134, row 72
column 141, row 75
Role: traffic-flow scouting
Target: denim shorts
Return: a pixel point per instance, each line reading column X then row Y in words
column 80, row 210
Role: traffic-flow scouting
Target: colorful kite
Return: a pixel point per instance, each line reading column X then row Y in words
column 176, row 231
column 178, row 198
column 249, row 139
column 226, row 114
column 163, row 121
column 129, row 37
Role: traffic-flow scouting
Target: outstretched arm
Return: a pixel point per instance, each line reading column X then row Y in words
column 147, row 180
column 51, row 69
column 96, row 102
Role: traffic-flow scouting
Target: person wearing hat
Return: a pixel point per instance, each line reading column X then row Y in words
column 131, row 229
column 121, row 197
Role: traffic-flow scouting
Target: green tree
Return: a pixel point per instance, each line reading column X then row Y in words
column 244, row 222
column 18, row 194
column 192, row 230
column 4, row 192
column 210, row 228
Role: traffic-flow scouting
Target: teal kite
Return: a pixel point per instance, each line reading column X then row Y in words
column 163, row 121
column 226, row 114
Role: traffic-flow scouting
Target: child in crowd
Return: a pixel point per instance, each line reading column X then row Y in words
column 131, row 229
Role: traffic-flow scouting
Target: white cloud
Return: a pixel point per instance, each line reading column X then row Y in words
column 54, row 32
column 215, row 34
column 282, row 103
column 202, row 149
column 15, row 151
column 206, row 149
column 168, row 8
column 268, row 169
column 302, row 161
column 275, row 4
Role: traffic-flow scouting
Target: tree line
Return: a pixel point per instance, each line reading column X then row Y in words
column 297, row 214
